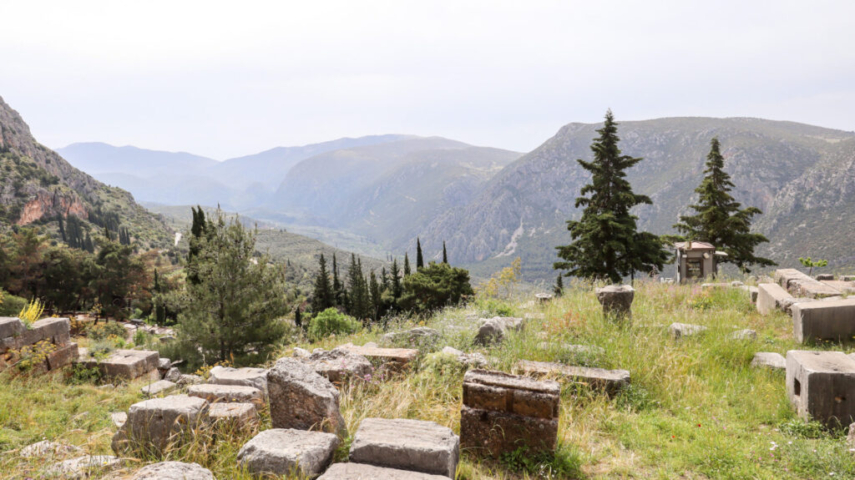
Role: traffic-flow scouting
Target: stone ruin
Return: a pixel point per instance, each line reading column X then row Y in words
column 302, row 399
column 502, row 412
column 616, row 301
column 821, row 386
column 608, row 381
column 125, row 364
column 404, row 444
column 14, row 336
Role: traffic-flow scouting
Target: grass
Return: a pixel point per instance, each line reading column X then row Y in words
column 695, row 410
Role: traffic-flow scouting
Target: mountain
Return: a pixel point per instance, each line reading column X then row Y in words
column 37, row 186
column 387, row 192
column 801, row 176
column 179, row 178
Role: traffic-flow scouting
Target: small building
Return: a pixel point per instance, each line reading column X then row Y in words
column 696, row 261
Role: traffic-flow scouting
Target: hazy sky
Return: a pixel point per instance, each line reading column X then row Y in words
column 225, row 79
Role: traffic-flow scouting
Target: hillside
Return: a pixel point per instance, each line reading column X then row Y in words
column 37, row 186
column 801, row 176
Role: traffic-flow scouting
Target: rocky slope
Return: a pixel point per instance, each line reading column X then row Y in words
column 801, row 177
column 37, row 185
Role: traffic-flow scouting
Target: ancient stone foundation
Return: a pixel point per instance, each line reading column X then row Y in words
column 616, row 301
column 825, row 320
column 821, row 386
column 405, row 444
column 503, row 412
column 54, row 332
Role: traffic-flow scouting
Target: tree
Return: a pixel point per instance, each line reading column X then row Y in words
column 159, row 308
column 605, row 242
column 359, row 295
column 397, row 287
column 298, row 318
column 444, row 253
column 322, row 298
column 234, row 309
column 719, row 219
column 807, row 262
column 559, row 286
column 420, row 259
column 406, row 265
column 119, row 278
column 25, row 269
column 197, row 231
column 435, row 287
column 337, row 286
column 376, row 297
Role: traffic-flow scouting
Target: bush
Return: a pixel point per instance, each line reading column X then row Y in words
column 330, row 322
column 10, row 305
column 103, row 330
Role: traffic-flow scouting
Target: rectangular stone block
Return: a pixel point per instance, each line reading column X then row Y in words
column 126, row 364
column 238, row 413
column 62, row 356
column 11, row 327
column 801, row 285
column 247, row 376
column 55, row 330
column 610, row 381
column 399, row 356
column 821, row 386
column 360, row 471
column 503, row 392
column 769, row 297
column 160, row 387
column 826, row 320
column 406, row 444
column 492, row 433
column 227, row 393
column 841, row 286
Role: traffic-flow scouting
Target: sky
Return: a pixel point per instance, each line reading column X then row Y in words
column 225, row 79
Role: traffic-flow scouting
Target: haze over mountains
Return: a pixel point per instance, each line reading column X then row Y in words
column 491, row 205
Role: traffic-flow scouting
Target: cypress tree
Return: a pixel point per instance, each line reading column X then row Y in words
column 159, row 309
column 719, row 219
column 90, row 247
column 322, row 298
column 376, row 300
column 444, row 253
column 384, row 279
column 420, row 260
column 197, row 231
column 605, row 244
column 559, row 286
column 61, row 227
column 337, row 285
column 397, row 288
column 406, row 265
column 298, row 318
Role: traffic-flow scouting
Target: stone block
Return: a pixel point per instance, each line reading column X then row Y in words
column 824, row 276
column 787, row 304
column 841, row 286
column 62, row 356
column 154, row 424
column 226, row 393
column 494, row 330
column 158, row 388
column 769, row 297
column 743, row 335
column 821, row 386
column 301, row 399
column 119, row 419
column 753, row 292
column 499, row 391
column 125, row 364
column 544, row 297
column 173, row 471
column 361, row 471
column 339, row 364
column 413, row 336
column 55, row 330
column 83, row 467
column 46, row 448
column 826, row 320
column 406, row 444
column 847, row 278
column 398, row 357
column 475, row 360
column 801, row 285
column 282, row 451
column 11, row 328
column 610, row 381
column 775, row 361
column 616, row 300
column 492, row 433
column 236, row 413
column 248, row 377
column 679, row 331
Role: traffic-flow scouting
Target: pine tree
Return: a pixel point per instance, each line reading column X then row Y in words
column 420, row 260
column 406, row 265
column 376, row 297
column 395, row 281
column 322, row 298
column 719, row 219
column 444, row 253
column 298, row 318
column 360, row 297
column 337, row 286
column 384, row 279
column 559, row 286
column 606, row 245
column 197, row 231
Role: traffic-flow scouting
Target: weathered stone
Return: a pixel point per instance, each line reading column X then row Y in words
column 302, row 399
column 161, row 387
column 164, row 364
column 752, row 292
column 413, row 336
column 125, row 364
column 476, row 360
column 173, row 471
column 769, row 297
column 398, row 357
column 841, row 286
column 187, row 379
column 119, row 419
column 827, row 320
column 499, row 391
column 544, row 297
column 801, row 285
column 406, row 444
column 787, row 304
column 173, row 375
column 610, row 381
column 156, row 423
column 226, row 393
column 847, row 278
column 339, row 364
column 281, row 451
column 775, row 361
column 821, row 386
column 825, row 276
column 745, row 334
column 87, row 466
column 361, row 471
column 300, row 352
column 11, row 328
column 616, row 300
column 55, row 330
column 46, row 448
column 495, row 329
column 62, row 356
column 681, row 330
column 736, row 284
column 493, row 433
column 707, row 286
column 238, row 413
column 250, row 377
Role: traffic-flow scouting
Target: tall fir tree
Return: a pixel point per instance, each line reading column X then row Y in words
column 719, row 219
column 384, row 279
column 605, row 242
column 298, row 317
column 559, row 286
column 360, row 297
column 61, row 227
column 395, row 281
column 407, row 270
column 337, row 286
column 376, row 297
column 420, row 259
column 322, row 297
column 444, row 253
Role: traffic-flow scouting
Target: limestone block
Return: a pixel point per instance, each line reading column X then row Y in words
column 476, row 360
column 745, row 334
column 46, row 448
column 226, row 393
column 301, row 399
column 126, row 364
column 801, row 285
column 237, row 413
column 824, row 276
column 156, row 423
column 249, row 377
column 119, row 419
column 361, row 471
column 499, row 391
column 681, row 330
column 280, row 451
column 62, row 356
column 413, row 336
column 493, row 433
column 610, row 381
column 398, row 357
column 82, row 467
column 406, row 444
column 616, row 300
column 821, row 386
column 495, row 329
column 339, row 364
column 158, row 388
column 769, row 297
column 775, row 361
column 826, row 320
column 173, row 471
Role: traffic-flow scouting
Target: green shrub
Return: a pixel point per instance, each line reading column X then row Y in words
column 443, row 364
column 11, row 305
column 141, row 337
column 102, row 331
column 563, row 463
column 332, row 322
